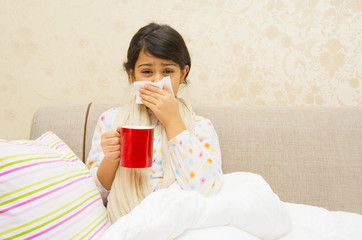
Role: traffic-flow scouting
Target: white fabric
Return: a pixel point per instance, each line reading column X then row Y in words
column 308, row 223
column 315, row 223
column 166, row 81
column 245, row 202
column 245, row 209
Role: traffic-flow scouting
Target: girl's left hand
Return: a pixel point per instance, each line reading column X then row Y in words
column 162, row 103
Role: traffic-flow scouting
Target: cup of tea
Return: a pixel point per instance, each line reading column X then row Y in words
column 136, row 146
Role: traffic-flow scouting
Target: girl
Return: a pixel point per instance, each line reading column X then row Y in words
column 186, row 147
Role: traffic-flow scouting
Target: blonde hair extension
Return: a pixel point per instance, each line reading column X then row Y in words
column 130, row 186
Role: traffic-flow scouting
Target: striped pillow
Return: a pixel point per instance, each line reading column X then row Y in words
column 47, row 192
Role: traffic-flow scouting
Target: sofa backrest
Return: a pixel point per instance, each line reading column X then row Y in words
column 309, row 155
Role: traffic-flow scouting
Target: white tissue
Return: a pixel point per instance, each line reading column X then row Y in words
column 166, row 81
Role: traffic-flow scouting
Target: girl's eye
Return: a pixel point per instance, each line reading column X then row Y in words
column 146, row 71
column 168, row 71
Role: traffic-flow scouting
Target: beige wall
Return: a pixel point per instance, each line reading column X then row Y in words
column 251, row 52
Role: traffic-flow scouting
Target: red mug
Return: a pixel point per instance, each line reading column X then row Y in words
column 136, row 146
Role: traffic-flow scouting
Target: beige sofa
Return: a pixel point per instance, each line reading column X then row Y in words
column 309, row 155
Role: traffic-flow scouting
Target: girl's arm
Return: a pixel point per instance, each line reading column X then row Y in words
column 95, row 161
column 108, row 166
column 196, row 159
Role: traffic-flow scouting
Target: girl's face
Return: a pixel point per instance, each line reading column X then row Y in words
column 153, row 69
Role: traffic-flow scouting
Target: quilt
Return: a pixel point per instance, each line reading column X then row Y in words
column 246, row 208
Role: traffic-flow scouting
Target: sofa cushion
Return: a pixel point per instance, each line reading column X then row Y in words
column 46, row 191
column 66, row 121
column 309, row 155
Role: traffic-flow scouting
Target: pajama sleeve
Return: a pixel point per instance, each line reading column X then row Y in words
column 96, row 155
column 196, row 158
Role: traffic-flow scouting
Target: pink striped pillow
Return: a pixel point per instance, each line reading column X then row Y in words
column 47, row 192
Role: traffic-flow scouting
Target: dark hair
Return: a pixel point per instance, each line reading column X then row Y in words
column 161, row 41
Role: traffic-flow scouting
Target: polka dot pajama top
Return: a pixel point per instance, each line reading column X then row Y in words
column 195, row 158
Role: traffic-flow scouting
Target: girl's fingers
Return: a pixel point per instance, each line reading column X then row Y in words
column 152, row 88
column 112, row 141
column 153, row 94
column 149, row 95
column 153, row 91
column 110, row 134
column 114, row 148
column 119, row 129
column 148, row 99
column 166, row 89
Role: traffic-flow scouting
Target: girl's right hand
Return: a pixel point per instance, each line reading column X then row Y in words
column 110, row 142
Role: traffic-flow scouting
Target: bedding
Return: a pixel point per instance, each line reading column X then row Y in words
column 46, row 192
column 316, row 223
column 245, row 209
column 245, row 202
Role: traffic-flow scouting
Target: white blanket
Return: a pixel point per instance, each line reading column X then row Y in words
column 315, row 223
column 246, row 208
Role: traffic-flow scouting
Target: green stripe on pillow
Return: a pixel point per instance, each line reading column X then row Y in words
column 41, row 189
column 53, row 212
column 47, row 192
column 39, row 183
column 99, row 220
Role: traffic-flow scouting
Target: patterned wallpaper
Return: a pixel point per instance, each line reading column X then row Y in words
column 248, row 53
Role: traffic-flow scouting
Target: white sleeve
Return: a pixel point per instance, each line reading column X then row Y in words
column 96, row 155
column 196, row 158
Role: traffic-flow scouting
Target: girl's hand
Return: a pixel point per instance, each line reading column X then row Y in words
column 161, row 101
column 111, row 146
column 164, row 105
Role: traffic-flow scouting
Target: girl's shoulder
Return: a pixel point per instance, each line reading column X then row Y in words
column 200, row 120
column 109, row 115
column 111, row 111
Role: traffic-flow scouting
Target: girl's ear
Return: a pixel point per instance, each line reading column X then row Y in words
column 183, row 74
column 131, row 74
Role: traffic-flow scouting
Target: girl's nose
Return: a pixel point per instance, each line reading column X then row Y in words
column 157, row 77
